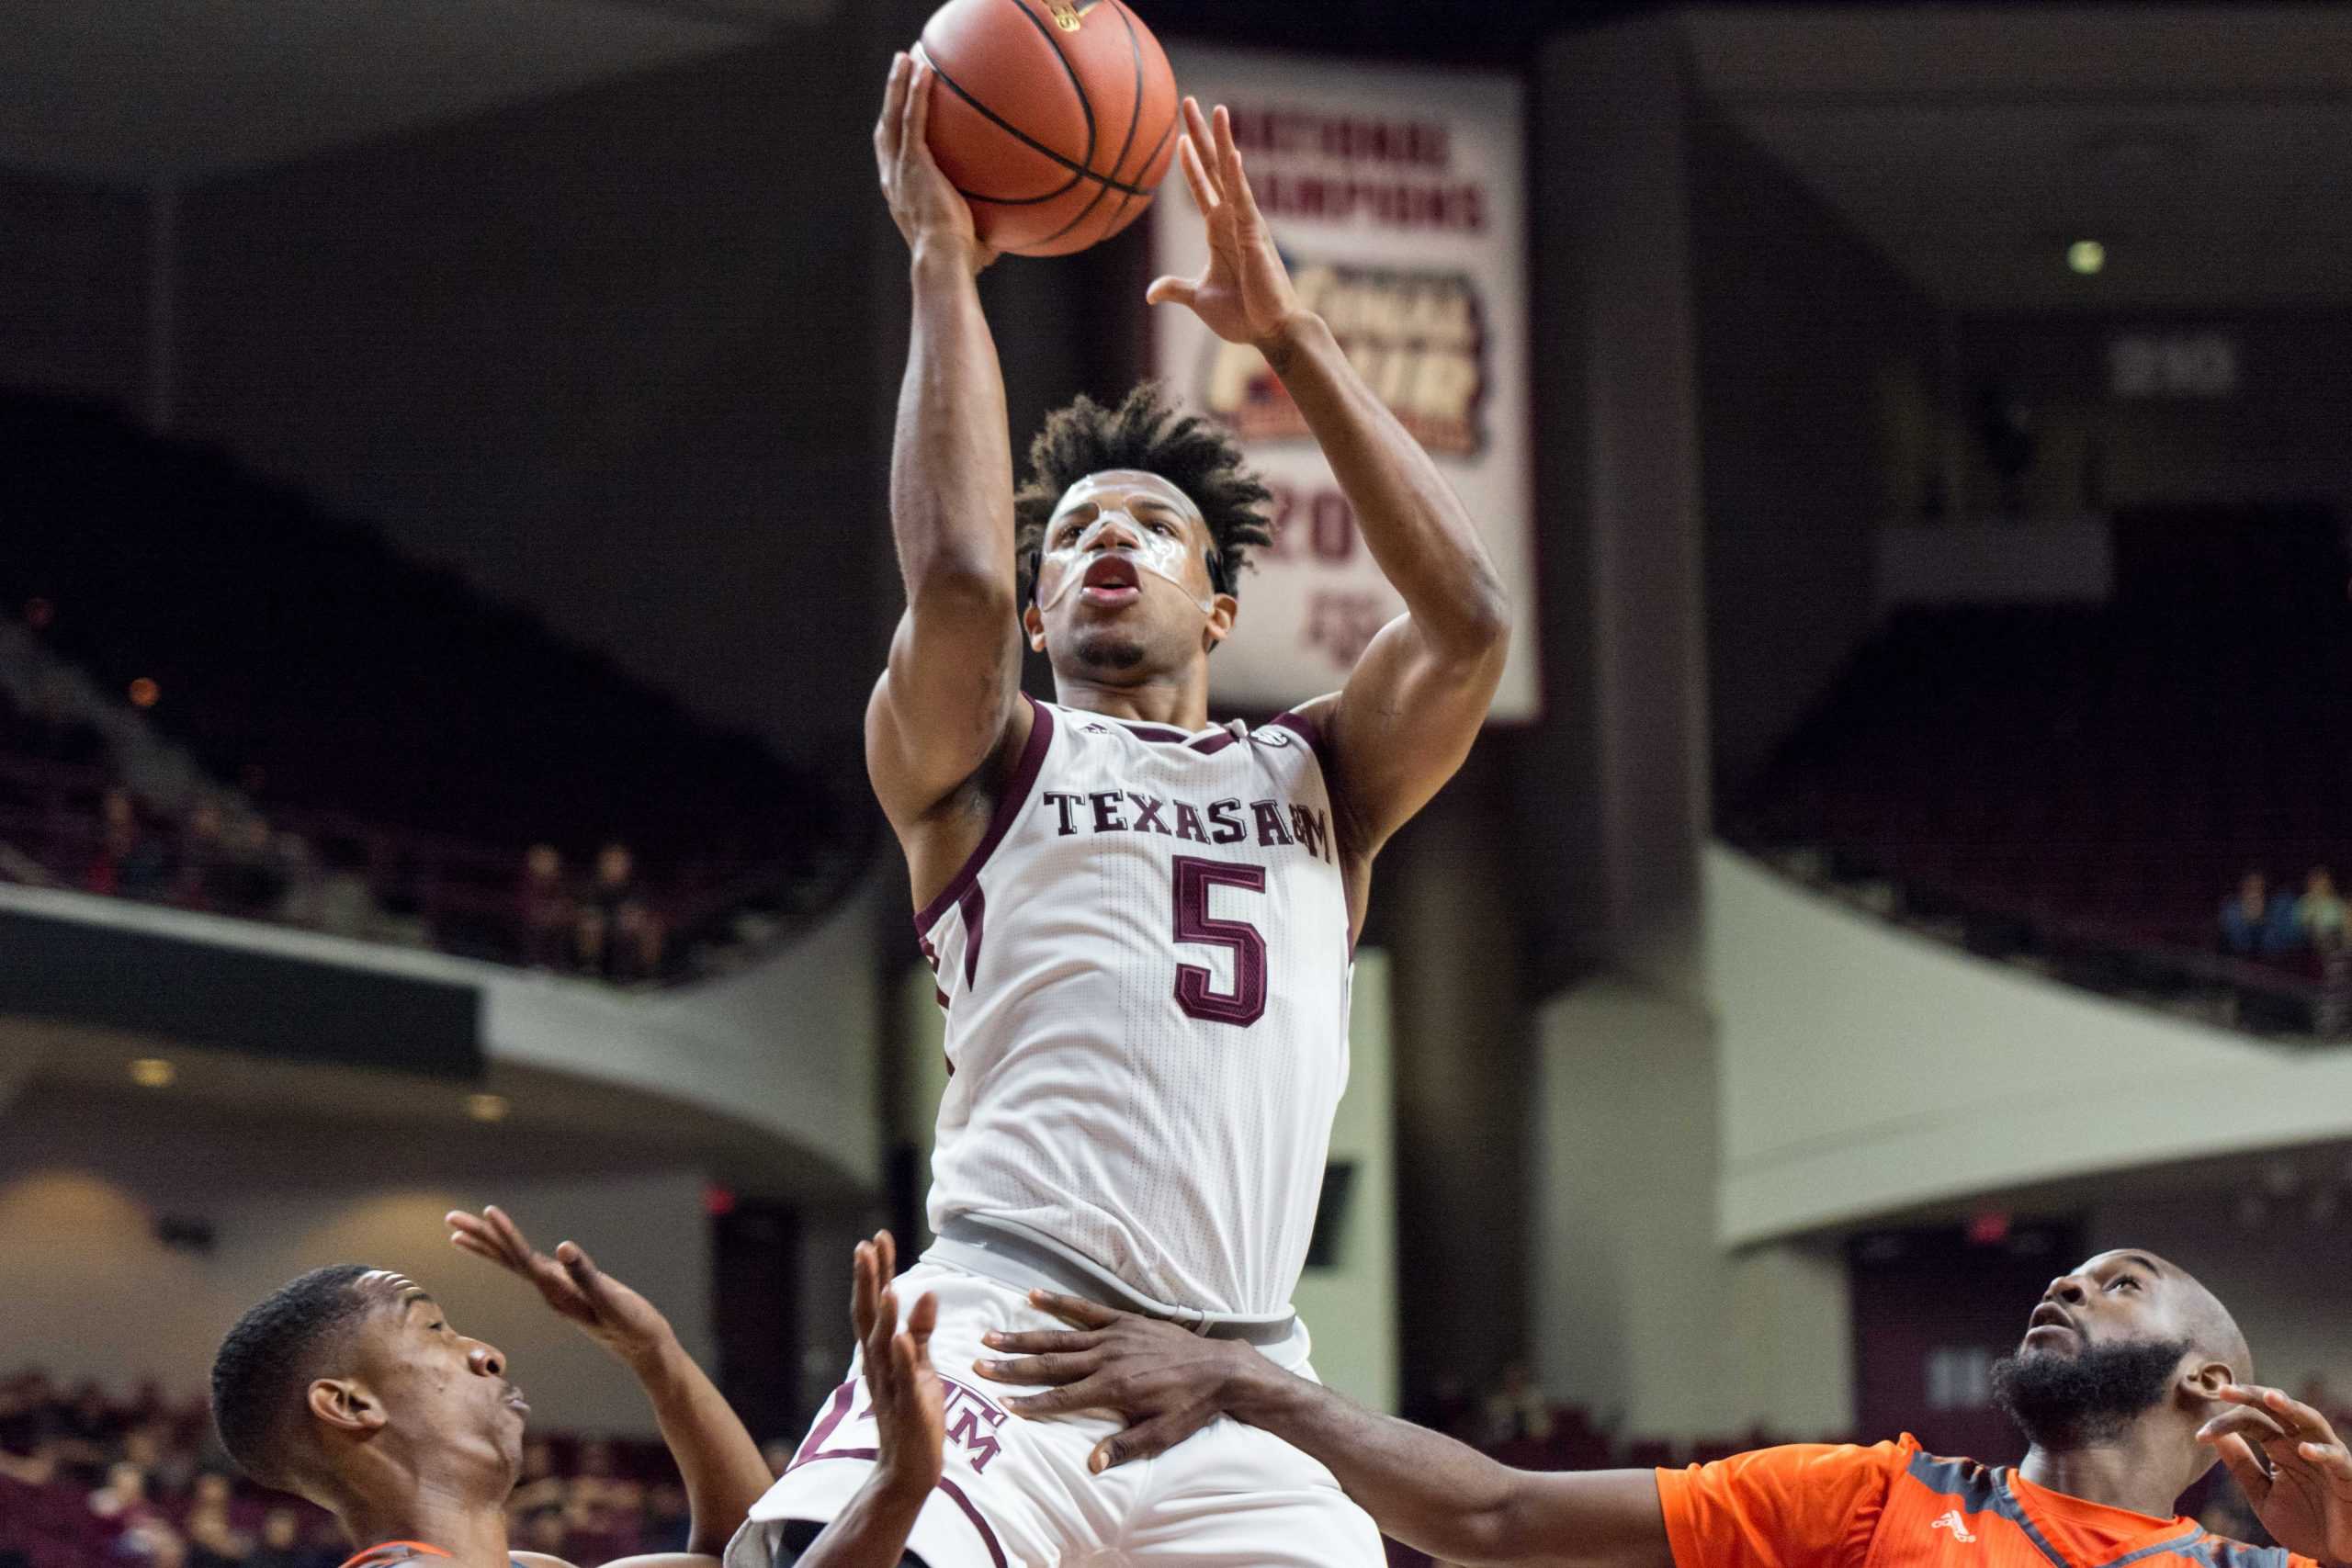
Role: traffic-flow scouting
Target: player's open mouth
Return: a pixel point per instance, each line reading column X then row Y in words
column 515, row 1401
column 1110, row 582
column 2050, row 1318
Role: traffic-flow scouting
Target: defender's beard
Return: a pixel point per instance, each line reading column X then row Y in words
column 2066, row 1402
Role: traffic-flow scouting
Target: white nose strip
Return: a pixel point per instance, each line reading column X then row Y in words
column 1162, row 554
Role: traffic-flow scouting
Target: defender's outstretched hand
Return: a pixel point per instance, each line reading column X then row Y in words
column 606, row 1310
column 2300, row 1482
column 1168, row 1382
column 923, row 202
column 1245, row 294
column 909, row 1403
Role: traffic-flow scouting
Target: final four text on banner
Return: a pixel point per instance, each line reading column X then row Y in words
column 1398, row 199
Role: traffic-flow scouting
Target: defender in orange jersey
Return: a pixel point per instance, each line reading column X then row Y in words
column 350, row 1387
column 2130, row 1378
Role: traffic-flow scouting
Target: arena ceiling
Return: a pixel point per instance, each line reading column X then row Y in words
column 2205, row 146
column 2208, row 147
column 135, row 92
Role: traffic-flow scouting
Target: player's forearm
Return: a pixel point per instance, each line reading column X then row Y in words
column 951, row 466
column 717, row 1459
column 1430, row 1492
column 872, row 1532
column 1416, row 528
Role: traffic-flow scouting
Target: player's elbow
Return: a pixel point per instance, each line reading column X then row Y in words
column 1476, row 632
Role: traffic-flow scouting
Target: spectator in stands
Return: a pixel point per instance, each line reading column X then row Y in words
column 342, row 903
column 130, row 860
column 2254, row 922
column 202, row 856
column 214, row 1540
column 88, row 1427
column 619, row 936
column 246, row 880
column 2321, row 1397
column 281, row 1544
column 1515, row 1408
column 402, row 903
column 26, row 1421
column 2320, row 913
column 548, row 913
column 669, row 1518
column 601, row 1506
column 156, row 1544
column 297, row 871
column 124, row 1502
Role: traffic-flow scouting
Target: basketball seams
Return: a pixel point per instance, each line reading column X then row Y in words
column 1134, row 120
column 1077, row 172
column 1076, row 85
column 1109, row 182
column 922, row 54
column 994, row 60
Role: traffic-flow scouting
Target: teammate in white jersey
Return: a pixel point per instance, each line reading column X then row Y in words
column 1141, row 924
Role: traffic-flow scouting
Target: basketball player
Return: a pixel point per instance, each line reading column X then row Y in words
column 1141, row 923
column 350, row 1387
column 2130, row 1379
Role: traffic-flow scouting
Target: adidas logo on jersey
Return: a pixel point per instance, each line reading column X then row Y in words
column 1953, row 1521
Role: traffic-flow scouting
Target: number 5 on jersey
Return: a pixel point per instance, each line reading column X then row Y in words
column 1196, row 990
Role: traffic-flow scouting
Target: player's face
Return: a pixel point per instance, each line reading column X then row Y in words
column 2114, row 1298
column 438, row 1387
column 1123, row 583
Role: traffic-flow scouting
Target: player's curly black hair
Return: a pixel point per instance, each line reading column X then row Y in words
column 1147, row 432
column 270, row 1357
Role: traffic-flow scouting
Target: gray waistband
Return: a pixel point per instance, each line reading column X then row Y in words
column 1017, row 1256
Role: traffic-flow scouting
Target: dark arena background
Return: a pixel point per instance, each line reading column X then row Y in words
column 446, row 553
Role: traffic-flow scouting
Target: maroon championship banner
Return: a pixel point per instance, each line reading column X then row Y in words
column 1398, row 199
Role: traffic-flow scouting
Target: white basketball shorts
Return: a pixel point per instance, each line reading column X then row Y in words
column 1017, row 1491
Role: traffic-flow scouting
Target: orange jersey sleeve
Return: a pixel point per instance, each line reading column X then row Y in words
column 1803, row 1506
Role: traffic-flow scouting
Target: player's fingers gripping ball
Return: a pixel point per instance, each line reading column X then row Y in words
column 1055, row 119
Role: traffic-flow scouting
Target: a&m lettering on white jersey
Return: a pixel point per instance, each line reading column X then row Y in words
column 1146, row 968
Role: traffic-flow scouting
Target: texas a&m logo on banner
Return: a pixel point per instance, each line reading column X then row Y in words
column 1397, row 198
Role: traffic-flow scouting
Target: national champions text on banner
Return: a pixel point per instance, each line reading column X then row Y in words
column 1397, row 197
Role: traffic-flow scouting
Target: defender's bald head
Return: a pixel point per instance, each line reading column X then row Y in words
column 2210, row 1329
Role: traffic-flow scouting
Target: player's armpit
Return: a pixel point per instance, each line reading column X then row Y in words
column 945, row 706
column 1401, row 727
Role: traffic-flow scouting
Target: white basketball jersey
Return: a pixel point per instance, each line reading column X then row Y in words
column 1146, row 968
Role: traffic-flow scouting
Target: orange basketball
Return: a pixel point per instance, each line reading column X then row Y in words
column 1056, row 118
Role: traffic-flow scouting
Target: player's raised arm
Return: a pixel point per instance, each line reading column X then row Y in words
column 717, row 1459
column 1428, row 1491
column 1416, row 699
column 944, row 706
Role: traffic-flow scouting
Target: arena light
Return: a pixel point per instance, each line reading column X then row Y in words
column 487, row 1107
column 152, row 1072
column 2085, row 256
column 143, row 692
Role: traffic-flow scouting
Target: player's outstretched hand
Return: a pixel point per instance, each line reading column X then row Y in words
column 606, row 1310
column 2292, row 1466
column 1244, row 296
column 1168, row 1382
column 910, row 1401
column 924, row 202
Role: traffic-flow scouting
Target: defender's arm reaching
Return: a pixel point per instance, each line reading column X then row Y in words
column 1430, row 1492
column 947, row 703
column 717, row 1459
column 1413, row 704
